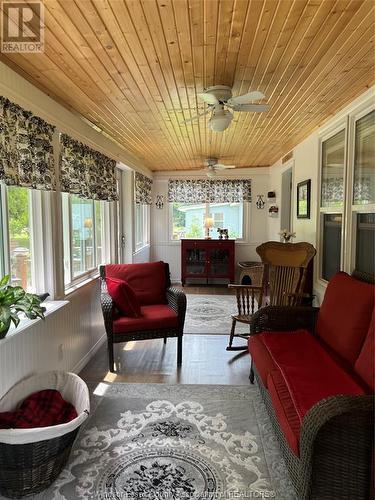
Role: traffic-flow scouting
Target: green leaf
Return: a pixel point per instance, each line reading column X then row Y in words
column 4, row 280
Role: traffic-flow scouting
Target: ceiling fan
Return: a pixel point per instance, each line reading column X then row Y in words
column 213, row 166
column 219, row 97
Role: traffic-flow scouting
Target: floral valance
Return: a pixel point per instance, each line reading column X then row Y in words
column 142, row 189
column 209, row 190
column 86, row 172
column 26, row 150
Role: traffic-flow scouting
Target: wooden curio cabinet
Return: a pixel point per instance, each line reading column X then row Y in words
column 207, row 260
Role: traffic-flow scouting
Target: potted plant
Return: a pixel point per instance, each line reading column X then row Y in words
column 286, row 235
column 15, row 301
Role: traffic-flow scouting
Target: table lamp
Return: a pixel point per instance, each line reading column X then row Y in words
column 208, row 224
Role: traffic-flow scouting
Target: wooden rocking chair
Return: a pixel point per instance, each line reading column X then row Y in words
column 283, row 282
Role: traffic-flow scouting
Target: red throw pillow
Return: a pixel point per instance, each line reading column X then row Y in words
column 124, row 297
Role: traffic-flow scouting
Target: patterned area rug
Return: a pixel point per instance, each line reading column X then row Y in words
column 156, row 442
column 211, row 314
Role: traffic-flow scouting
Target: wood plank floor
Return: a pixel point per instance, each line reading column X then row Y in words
column 205, row 361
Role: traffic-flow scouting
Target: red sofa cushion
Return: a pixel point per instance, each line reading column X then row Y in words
column 365, row 364
column 154, row 317
column 345, row 315
column 306, row 372
column 124, row 297
column 261, row 357
column 148, row 280
column 284, row 409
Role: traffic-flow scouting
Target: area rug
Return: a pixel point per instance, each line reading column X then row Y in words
column 211, row 314
column 158, row 442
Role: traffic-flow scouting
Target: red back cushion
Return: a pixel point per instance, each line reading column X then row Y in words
column 124, row 297
column 148, row 280
column 365, row 364
column 345, row 315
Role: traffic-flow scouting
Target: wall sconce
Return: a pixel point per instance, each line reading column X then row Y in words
column 260, row 202
column 159, row 203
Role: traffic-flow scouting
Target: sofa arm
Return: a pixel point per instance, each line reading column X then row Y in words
column 177, row 301
column 336, row 440
column 283, row 318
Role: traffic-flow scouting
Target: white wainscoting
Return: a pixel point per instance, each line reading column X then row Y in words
column 66, row 340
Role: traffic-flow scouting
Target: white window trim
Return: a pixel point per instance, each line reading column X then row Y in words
column 245, row 223
column 91, row 274
column 349, row 210
column 146, row 215
column 321, row 211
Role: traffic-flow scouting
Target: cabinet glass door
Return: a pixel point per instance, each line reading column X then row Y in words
column 219, row 262
column 196, row 261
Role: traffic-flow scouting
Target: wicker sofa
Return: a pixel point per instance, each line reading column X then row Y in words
column 315, row 370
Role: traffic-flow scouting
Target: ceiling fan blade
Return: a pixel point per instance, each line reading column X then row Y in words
column 196, row 117
column 220, row 166
column 208, row 98
column 253, row 108
column 256, row 95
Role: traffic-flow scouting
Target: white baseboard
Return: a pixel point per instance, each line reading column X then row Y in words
column 86, row 358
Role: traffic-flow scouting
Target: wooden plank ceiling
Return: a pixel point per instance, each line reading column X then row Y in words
column 134, row 69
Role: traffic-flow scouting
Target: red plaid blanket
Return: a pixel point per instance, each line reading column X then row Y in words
column 41, row 409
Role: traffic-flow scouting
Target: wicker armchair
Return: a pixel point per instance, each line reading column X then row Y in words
column 176, row 300
column 336, row 440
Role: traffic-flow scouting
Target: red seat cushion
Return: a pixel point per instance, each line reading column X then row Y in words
column 284, row 408
column 124, row 297
column 305, row 375
column 148, row 280
column 261, row 357
column 345, row 315
column 365, row 364
column 154, row 317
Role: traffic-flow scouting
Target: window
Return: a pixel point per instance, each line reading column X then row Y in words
column 188, row 219
column 332, row 202
column 365, row 243
column 142, row 225
column 17, row 236
column 347, row 198
column 20, row 237
column 84, row 237
column 363, row 208
column 331, row 261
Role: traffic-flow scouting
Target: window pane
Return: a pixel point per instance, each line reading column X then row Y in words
column 188, row 219
column 82, row 235
column 365, row 244
column 333, row 157
column 99, row 227
column 331, row 258
column 19, row 220
column 364, row 162
column 66, row 236
column 138, row 224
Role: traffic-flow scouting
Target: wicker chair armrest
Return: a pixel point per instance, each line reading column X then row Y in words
column 338, row 430
column 177, row 301
column 283, row 318
column 107, row 310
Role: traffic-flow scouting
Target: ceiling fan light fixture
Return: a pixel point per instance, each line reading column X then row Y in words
column 220, row 121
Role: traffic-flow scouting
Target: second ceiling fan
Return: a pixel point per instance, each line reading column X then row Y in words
column 219, row 97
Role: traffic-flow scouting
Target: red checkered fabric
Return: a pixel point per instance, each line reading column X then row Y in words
column 41, row 409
